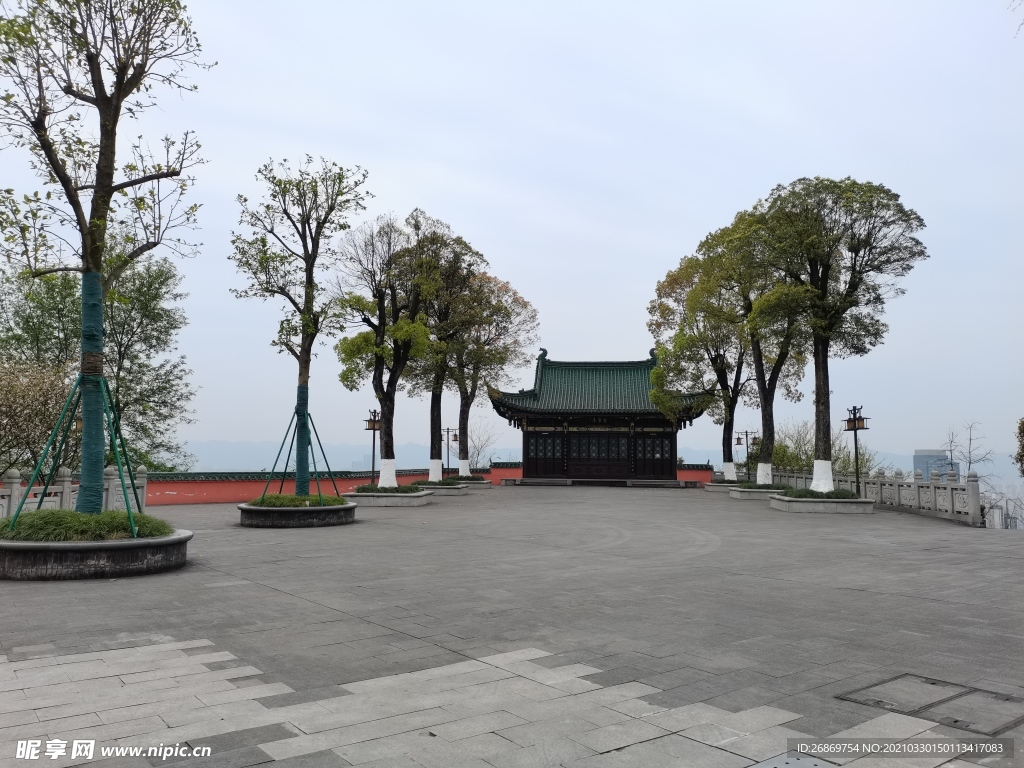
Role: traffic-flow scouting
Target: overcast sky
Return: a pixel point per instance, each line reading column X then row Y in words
column 585, row 147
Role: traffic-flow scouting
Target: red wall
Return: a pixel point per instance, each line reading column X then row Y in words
column 700, row 475
column 161, row 492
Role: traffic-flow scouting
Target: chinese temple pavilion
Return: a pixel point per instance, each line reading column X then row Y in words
column 593, row 420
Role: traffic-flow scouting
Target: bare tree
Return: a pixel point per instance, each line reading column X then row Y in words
column 483, row 435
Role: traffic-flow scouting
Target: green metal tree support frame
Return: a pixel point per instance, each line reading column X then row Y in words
column 291, row 431
column 63, row 428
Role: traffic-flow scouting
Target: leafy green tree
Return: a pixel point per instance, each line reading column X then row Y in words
column 843, row 245
column 70, row 70
column 40, row 327
column 766, row 306
column 450, row 313
column 287, row 249
column 503, row 327
column 389, row 273
column 698, row 352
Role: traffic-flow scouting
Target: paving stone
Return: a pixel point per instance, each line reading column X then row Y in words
column 303, row 697
column 763, row 744
column 232, row 758
column 757, row 719
column 533, row 733
column 889, row 726
column 681, row 718
column 474, row 726
column 710, row 733
column 617, row 736
column 487, row 744
column 379, row 749
column 636, row 708
column 689, row 753
column 544, row 754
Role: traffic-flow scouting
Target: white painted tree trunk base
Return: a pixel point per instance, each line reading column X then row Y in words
column 729, row 470
column 822, row 479
column 464, row 468
column 436, row 471
column 387, row 478
column 764, row 473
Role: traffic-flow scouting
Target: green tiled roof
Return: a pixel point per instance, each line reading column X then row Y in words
column 584, row 387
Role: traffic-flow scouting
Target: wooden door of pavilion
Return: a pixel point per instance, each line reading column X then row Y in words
column 587, row 454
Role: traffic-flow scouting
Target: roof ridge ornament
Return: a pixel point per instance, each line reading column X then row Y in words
column 654, row 355
column 543, row 354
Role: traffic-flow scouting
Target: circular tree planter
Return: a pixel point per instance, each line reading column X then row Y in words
column 62, row 560
column 297, row 517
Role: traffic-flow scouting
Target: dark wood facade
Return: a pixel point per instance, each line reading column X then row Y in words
column 597, row 423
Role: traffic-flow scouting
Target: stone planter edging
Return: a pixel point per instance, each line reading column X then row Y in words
column 64, row 560
column 448, row 490
column 718, row 487
column 749, row 494
column 419, row 499
column 296, row 517
column 822, row 506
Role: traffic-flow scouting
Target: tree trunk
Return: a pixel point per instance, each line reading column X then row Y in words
column 822, row 401
column 766, row 399
column 465, row 404
column 822, row 480
column 302, row 440
column 436, row 437
column 90, row 492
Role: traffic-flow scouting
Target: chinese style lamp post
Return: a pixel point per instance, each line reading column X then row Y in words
column 746, row 438
column 855, row 422
column 373, row 425
column 450, row 435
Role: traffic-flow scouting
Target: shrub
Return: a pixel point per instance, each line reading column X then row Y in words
column 444, row 483
column 807, row 493
column 394, row 489
column 723, row 482
column 285, row 500
column 469, row 477
column 69, row 525
column 763, row 487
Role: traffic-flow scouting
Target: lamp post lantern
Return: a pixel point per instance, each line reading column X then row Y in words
column 372, row 425
column 855, row 422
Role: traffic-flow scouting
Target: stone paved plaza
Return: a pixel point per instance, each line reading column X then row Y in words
column 518, row 627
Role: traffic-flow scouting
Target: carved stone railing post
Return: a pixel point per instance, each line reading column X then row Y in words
column 974, row 499
column 141, row 478
column 63, row 489
column 11, row 494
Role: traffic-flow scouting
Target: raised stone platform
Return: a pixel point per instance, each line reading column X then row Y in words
column 419, row 499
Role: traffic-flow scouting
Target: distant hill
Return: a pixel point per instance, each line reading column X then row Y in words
column 253, row 455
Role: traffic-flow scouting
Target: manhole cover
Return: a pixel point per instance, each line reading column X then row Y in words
column 958, row 706
column 979, row 711
column 794, row 760
column 906, row 693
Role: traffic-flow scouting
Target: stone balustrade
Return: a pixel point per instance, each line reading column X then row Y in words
column 938, row 496
column 63, row 491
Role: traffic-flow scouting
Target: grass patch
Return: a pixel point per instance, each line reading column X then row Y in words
column 69, row 525
column 434, row 483
column 763, row 487
column 393, row 489
column 807, row 493
column 278, row 500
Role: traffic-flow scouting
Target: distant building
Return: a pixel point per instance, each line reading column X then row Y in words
column 928, row 459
